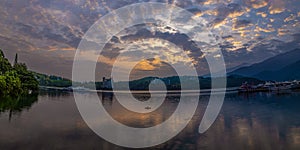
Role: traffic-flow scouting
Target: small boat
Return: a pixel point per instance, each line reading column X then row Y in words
column 295, row 85
column 269, row 86
column 278, row 87
column 79, row 89
column 245, row 87
column 148, row 107
column 282, row 87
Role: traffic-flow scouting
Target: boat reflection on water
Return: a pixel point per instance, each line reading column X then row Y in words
column 260, row 120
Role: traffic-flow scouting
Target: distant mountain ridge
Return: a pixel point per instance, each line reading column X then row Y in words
column 229, row 69
column 238, row 67
column 290, row 72
column 281, row 67
column 173, row 82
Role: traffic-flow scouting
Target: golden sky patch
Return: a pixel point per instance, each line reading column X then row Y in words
column 156, row 61
column 212, row 12
column 282, row 32
column 262, row 14
column 259, row 29
column 209, row 2
column 52, row 48
column 276, row 10
column 290, row 18
column 198, row 14
column 277, row 7
column 240, row 26
column 258, row 4
column 146, row 65
column 244, row 33
column 236, row 14
column 219, row 24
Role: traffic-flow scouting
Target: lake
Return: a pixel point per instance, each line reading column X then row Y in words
column 51, row 120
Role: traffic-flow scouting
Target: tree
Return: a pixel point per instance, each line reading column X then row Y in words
column 29, row 82
column 15, row 80
column 2, row 85
column 4, row 63
column 16, row 59
column 1, row 54
column 13, row 83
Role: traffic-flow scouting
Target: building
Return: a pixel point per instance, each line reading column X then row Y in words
column 107, row 83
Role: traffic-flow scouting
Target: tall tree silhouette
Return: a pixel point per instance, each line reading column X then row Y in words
column 1, row 54
column 16, row 59
column 4, row 63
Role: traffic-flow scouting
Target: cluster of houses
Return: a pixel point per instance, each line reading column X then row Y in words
column 285, row 86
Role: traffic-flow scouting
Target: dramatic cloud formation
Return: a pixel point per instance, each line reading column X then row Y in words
column 46, row 33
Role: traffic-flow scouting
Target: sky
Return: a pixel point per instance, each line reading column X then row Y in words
column 46, row 33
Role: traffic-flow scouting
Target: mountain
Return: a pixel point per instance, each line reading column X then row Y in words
column 230, row 69
column 290, row 72
column 238, row 67
column 266, row 68
column 173, row 83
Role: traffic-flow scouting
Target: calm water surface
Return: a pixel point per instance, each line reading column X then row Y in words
column 254, row 121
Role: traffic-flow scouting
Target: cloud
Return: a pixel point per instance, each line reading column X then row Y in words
column 276, row 10
column 256, row 4
column 51, row 30
column 290, row 18
column 181, row 40
column 222, row 13
column 214, row 2
column 228, row 38
column 282, row 32
column 219, row 22
column 213, row 12
column 52, row 48
column 259, row 29
column 277, row 6
column 262, row 14
column 244, row 33
column 241, row 24
column 147, row 65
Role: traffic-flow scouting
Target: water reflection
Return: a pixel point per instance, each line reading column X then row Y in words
column 54, row 93
column 261, row 122
column 139, row 120
column 15, row 105
column 52, row 121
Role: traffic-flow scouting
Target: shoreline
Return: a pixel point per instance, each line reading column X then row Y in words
column 231, row 89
